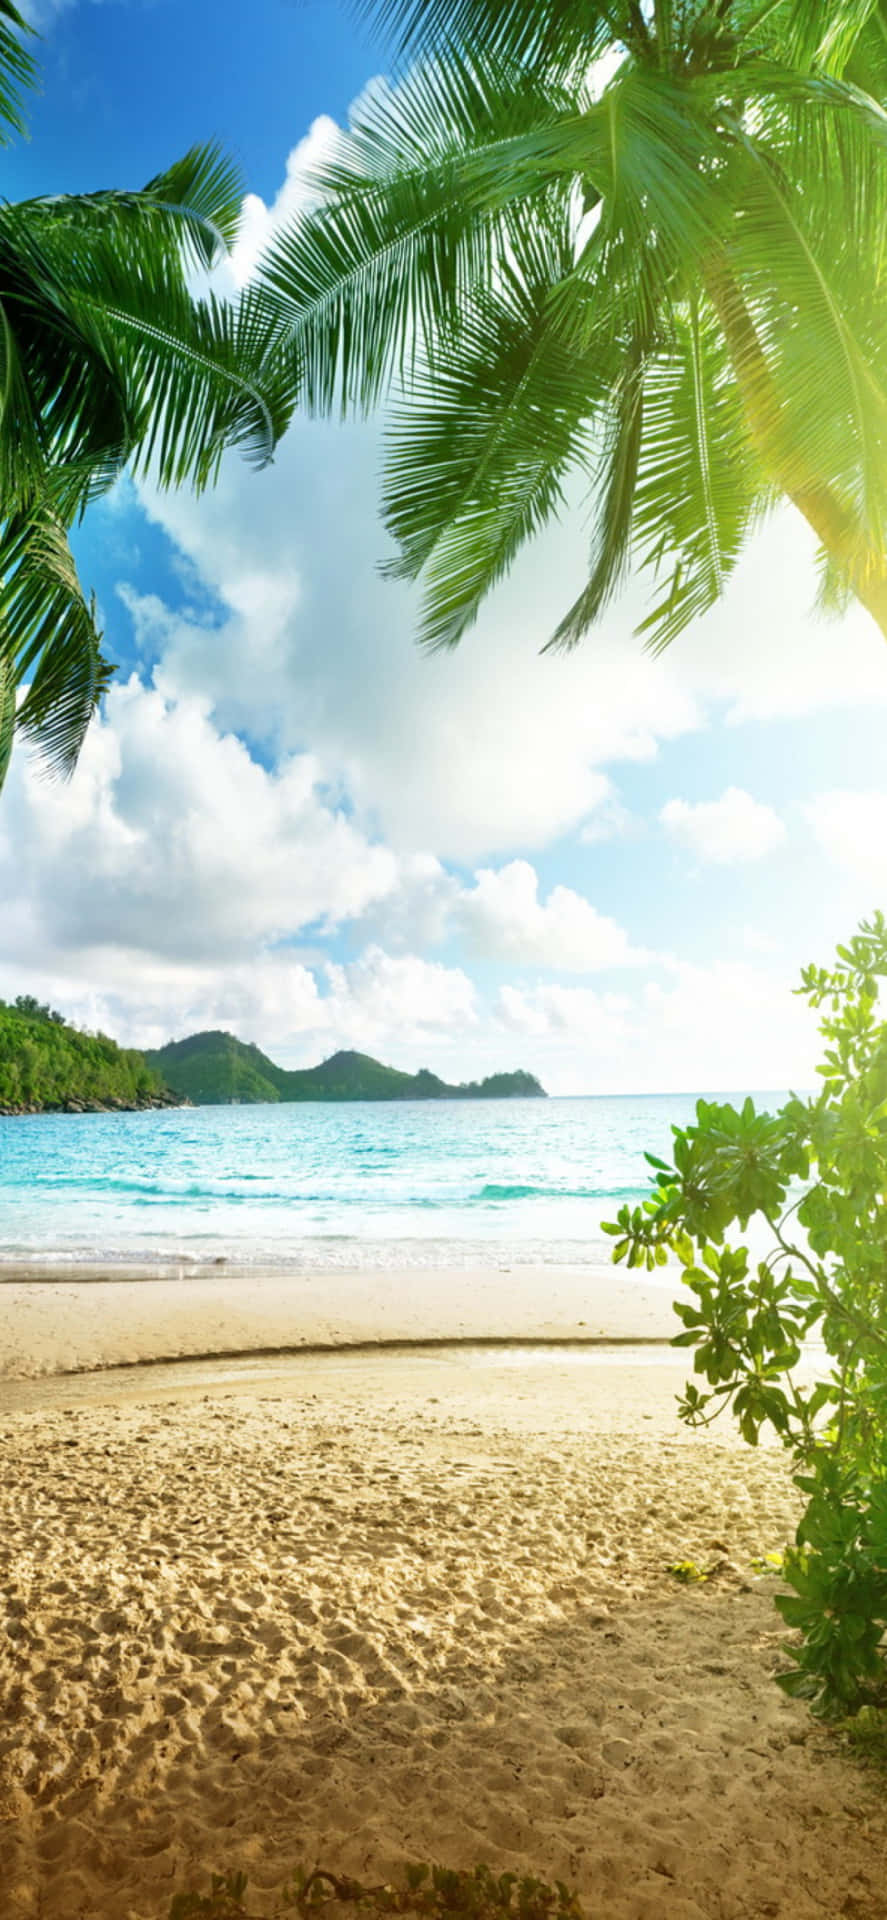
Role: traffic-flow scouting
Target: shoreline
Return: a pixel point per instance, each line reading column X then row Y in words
column 55, row 1322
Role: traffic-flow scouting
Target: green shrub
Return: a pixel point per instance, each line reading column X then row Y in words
column 433, row 1893
column 825, row 1274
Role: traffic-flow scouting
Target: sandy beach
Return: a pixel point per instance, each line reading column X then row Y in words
column 357, row 1609
column 67, row 1320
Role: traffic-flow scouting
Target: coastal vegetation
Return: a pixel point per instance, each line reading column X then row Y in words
column 216, row 1069
column 631, row 251
column 107, row 360
column 430, row 1892
column 46, row 1066
column 816, row 1174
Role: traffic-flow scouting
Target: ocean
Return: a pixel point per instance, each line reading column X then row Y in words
column 325, row 1187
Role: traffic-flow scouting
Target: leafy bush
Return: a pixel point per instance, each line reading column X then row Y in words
column 826, row 1276
column 433, row 1893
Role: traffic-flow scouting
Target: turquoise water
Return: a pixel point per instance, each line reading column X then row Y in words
column 429, row 1183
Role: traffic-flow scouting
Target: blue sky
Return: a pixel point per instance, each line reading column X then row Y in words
column 288, row 822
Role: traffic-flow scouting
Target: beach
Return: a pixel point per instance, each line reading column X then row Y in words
column 358, row 1608
column 76, row 1319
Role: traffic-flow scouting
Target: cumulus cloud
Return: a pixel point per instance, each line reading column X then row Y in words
column 260, row 222
column 851, row 828
column 727, row 831
column 381, row 994
column 173, row 840
column 471, row 753
column 504, row 919
column 728, row 1026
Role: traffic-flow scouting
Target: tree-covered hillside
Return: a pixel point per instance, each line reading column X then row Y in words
column 214, row 1069
column 46, row 1065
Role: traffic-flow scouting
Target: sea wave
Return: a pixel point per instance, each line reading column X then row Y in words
column 493, row 1190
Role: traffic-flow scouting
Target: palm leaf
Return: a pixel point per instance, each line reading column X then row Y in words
column 62, row 402
column 807, row 33
column 203, row 376
column 795, row 251
column 699, row 485
column 17, row 71
column 552, row 35
column 416, row 210
column 478, row 458
column 121, row 362
column 195, row 205
column 49, row 644
column 8, row 692
column 614, row 507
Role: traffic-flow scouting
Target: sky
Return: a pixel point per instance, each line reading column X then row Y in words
column 291, row 822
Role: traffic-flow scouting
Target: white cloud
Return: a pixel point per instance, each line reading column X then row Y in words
column 611, row 821
column 259, row 222
column 726, row 831
column 504, row 919
column 851, row 828
column 471, row 753
column 381, row 995
column 732, row 1025
column 173, row 840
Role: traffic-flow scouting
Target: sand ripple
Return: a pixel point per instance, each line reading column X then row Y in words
column 246, row 1633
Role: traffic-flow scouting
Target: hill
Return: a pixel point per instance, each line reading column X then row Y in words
column 215, row 1069
column 47, row 1066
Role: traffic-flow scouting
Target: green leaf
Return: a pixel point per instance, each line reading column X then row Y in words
column 18, row 71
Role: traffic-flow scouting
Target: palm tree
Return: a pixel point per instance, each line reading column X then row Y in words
column 641, row 243
column 106, row 358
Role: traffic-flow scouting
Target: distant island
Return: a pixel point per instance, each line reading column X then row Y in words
column 215, row 1069
column 47, row 1066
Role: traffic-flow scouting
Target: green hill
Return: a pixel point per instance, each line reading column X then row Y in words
column 48, row 1066
column 215, row 1069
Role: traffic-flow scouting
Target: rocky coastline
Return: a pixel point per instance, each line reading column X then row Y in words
column 113, row 1104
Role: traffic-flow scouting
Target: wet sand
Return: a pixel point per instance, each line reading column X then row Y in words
column 64, row 1320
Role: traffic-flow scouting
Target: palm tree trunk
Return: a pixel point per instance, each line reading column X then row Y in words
column 836, row 529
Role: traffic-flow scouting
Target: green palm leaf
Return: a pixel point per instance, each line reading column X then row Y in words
column 707, row 323
column 478, row 459
column 106, row 358
column 416, row 210
column 623, row 432
column 17, row 71
column 194, row 206
column 550, row 35
column 52, row 673
column 699, row 485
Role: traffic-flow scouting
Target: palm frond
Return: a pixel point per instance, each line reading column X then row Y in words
column 63, row 405
column 195, row 206
column 478, row 458
column 415, row 212
column 203, row 376
column 49, row 643
column 614, row 504
column 795, row 250
column 834, row 592
column 807, row 33
column 557, row 35
column 18, row 71
column 118, row 360
column 699, row 485
column 8, row 695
